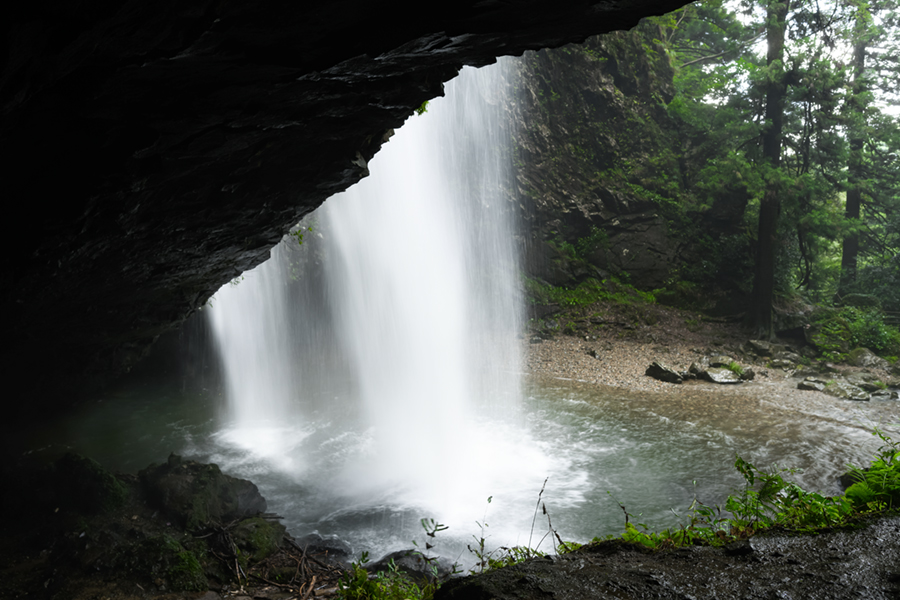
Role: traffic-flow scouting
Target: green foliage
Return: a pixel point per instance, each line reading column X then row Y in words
column 735, row 368
column 843, row 329
column 358, row 584
column 587, row 292
column 423, row 108
column 299, row 233
column 879, row 483
column 769, row 500
column 597, row 239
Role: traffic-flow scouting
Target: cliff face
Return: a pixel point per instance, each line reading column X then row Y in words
column 598, row 159
column 152, row 151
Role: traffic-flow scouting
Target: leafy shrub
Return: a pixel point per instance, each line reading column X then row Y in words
column 359, row 584
column 595, row 240
column 850, row 327
column 880, row 482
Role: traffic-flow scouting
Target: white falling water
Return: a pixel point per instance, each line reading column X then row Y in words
column 423, row 306
column 424, row 281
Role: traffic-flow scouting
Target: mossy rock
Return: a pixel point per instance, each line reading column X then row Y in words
column 81, row 483
column 195, row 494
column 186, row 574
column 258, row 537
column 163, row 556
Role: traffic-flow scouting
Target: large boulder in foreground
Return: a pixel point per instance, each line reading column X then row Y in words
column 836, row 564
column 195, row 494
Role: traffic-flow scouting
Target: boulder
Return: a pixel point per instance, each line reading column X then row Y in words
column 762, row 348
column 789, row 356
column 82, row 484
column 698, row 367
column 865, row 381
column 781, row 363
column 720, row 360
column 663, row 373
column 720, row 375
column 194, row 493
column 332, row 547
column 863, row 357
column 748, row 374
column 813, row 384
column 841, row 389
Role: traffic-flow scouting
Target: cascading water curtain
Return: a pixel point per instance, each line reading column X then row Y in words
column 425, row 284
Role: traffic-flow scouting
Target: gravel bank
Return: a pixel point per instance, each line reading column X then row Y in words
column 617, row 352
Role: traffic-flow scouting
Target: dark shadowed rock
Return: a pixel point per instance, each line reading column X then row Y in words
column 186, row 139
column 663, row 373
column 195, row 493
column 329, row 547
column 81, row 483
column 832, row 566
column 259, row 538
column 762, row 347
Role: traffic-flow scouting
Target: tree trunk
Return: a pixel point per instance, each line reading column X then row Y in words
column 855, row 174
column 770, row 207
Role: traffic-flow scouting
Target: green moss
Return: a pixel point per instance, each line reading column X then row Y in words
column 186, row 574
column 258, row 538
column 81, row 483
column 163, row 556
column 587, row 292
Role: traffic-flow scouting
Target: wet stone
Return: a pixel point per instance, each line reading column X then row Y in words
column 812, row 384
column 663, row 373
column 719, row 375
column 846, row 391
column 720, row 360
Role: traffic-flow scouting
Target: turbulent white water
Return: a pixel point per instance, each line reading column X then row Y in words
column 421, row 304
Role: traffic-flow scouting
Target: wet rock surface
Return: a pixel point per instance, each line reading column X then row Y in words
column 721, row 375
column 195, row 493
column 864, row 563
column 663, row 373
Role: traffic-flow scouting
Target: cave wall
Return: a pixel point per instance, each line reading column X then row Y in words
column 151, row 151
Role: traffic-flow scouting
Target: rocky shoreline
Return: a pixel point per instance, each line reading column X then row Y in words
column 616, row 352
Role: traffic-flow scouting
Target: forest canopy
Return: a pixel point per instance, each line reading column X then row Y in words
column 793, row 105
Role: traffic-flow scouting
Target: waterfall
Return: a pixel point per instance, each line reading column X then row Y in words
column 420, row 309
column 424, row 280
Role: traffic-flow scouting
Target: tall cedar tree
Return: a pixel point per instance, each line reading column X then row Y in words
column 770, row 206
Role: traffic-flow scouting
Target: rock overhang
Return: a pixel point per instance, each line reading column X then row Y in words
column 154, row 150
